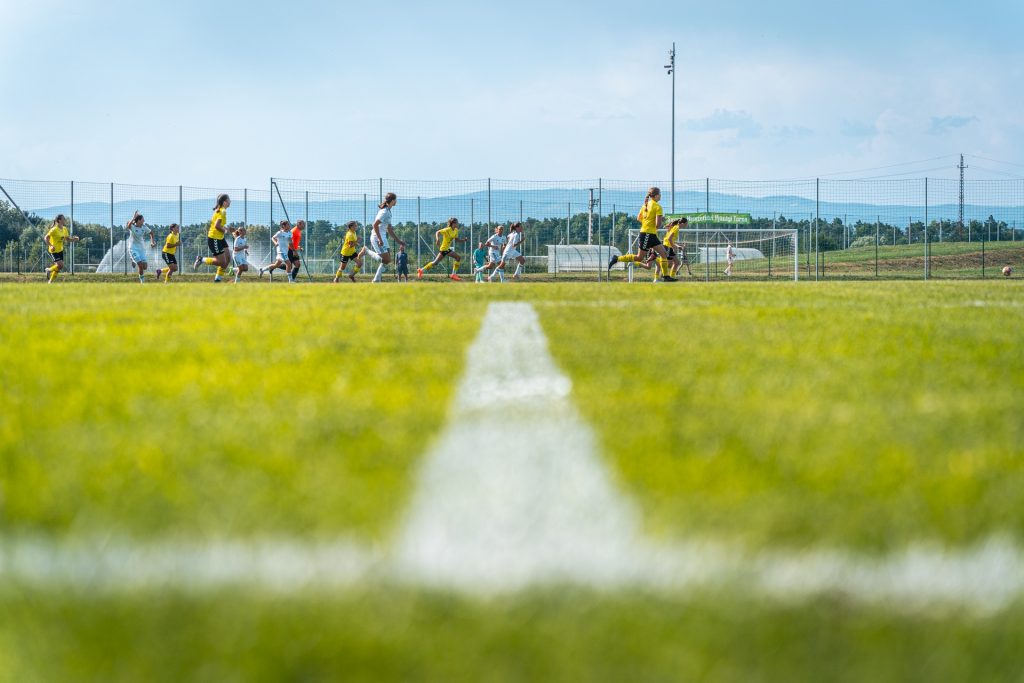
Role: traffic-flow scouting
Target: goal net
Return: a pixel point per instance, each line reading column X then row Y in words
column 757, row 254
column 579, row 258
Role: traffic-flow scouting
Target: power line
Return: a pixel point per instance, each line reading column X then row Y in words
column 877, row 168
column 995, row 161
column 993, row 170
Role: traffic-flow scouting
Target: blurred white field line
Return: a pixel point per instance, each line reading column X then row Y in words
column 514, row 495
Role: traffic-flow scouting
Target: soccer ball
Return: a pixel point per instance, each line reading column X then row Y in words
column 1007, row 271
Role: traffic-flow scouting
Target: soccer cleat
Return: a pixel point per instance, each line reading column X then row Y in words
column 455, row 277
column 158, row 271
column 668, row 278
column 612, row 262
column 352, row 277
column 261, row 272
column 419, row 273
column 197, row 263
column 217, row 279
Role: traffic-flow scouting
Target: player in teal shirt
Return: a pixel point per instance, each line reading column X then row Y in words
column 479, row 258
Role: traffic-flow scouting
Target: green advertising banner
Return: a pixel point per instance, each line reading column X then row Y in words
column 713, row 217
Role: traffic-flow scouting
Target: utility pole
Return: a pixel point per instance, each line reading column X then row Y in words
column 671, row 68
column 962, row 168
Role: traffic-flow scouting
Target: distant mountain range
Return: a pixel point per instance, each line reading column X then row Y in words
column 506, row 205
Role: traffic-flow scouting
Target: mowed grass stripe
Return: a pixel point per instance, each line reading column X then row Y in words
column 204, row 410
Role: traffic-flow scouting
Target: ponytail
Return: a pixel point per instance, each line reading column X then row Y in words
column 388, row 198
column 221, row 198
column 452, row 221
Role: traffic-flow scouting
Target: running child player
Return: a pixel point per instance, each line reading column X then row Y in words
column 215, row 241
column 446, row 237
column 383, row 228
column 294, row 249
column 479, row 261
column 170, row 253
column 240, row 252
column 511, row 253
column 281, row 240
column 55, row 238
column 349, row 244
column 671, row 235
column 730, row 256
column 652, row 219
column 138, row 232
column 495, row 246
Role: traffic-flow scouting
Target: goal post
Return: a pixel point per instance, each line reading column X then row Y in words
column 758, row 254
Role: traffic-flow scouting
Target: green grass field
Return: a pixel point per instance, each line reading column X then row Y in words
column 854, row 417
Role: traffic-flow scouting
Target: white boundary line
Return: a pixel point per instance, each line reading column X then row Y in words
column 513, row 496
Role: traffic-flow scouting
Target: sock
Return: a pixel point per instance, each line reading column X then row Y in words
column 428, row 266
column 355, row 271
column 209, row 260
column 220, row 271
column 238, row 275
column 501, row 274
column 167, row 275
column 455, row 267
column 372, row 253
column 339, row 272
column 627, row 258
column 380, row 271
column 519, row 270
column 663, row 264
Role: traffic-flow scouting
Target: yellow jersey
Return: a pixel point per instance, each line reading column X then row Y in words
column 671, row 236
column 220, row 214
column 649, row 217
column 57, row 235
column 448, row 235
column 171, row 244
column 348, row 247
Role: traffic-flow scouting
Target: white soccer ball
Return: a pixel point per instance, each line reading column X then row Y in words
column 1007, row 271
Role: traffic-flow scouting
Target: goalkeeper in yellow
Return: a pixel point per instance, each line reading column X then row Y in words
column 447, row 237
column 349, row 245
column 652, row 219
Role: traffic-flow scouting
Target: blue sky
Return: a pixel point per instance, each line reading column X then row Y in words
column 230, row 93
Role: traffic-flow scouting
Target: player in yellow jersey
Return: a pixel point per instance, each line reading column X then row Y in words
column 55, row 238
column 447, row 237
column 170, row 253
column 652, row 219
column 349, row 246
column 215, row 239
column 672, row 248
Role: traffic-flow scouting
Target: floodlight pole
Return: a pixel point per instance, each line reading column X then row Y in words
column 671, row 68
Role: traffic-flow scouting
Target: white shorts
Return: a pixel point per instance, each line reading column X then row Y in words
column 493, row 256
column 377, row 246
column 282, row 256
column 510, row 254
column 240, row 259
column 139, row 255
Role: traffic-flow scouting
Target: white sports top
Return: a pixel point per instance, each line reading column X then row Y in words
column 495, row 242
column 137, row 234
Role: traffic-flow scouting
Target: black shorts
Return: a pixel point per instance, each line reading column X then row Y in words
column 648, row 241
column 57, row 255
column 217, row 247
column 671, row 254
column 403, row 270
column 293, row 255
column 346, row 259
column 445, row 252
column 169, row 259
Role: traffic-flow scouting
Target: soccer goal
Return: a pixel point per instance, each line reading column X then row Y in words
column 757, row 254
column 579, row 258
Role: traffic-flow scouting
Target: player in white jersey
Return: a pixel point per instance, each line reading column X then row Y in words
column 495, row 245
column 730, row 256
column 282, row 240
column 138, row 231
column 383, row 228
column 511, row 252
column 240, row 252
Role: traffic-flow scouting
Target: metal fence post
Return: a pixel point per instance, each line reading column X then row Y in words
column 927, row 243
column 878, row 220
column 489, row 205
column 817, row 213
column 419, row 221
column 112, row 228
column 72, row 226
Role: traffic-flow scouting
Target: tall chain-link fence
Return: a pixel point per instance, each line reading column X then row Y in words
column 859, row 229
